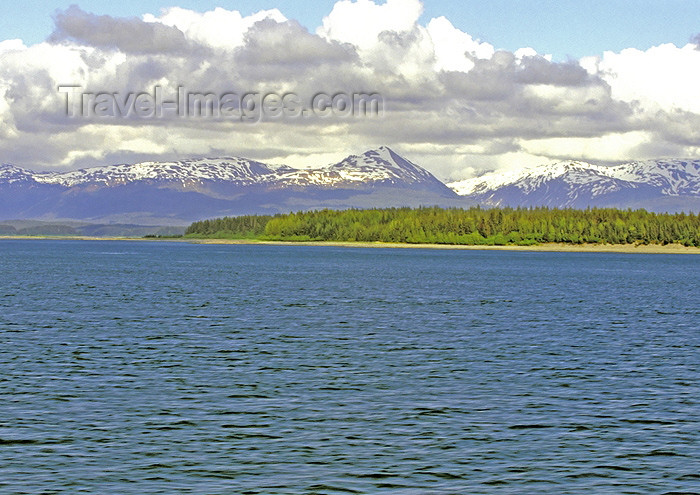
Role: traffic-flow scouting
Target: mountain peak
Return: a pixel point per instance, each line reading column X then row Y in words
column 387, row 154
column 9, row 167
column 378, row 167
column 187, row 170
column 387, row 167
column 525, row 178
column 10, row 173
column 382, row 150
column 579, row 184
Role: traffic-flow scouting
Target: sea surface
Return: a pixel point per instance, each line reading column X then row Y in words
column 173, row 368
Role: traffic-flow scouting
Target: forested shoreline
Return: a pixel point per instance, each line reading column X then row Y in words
column 474, row 226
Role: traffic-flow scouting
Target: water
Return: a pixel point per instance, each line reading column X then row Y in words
column 148, row 368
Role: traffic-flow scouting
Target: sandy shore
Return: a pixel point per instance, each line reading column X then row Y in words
column 551, row 247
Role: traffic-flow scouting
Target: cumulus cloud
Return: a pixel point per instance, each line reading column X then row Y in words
column 267, row 42
column 454, row 49
column 127, row 35
column 662, row 78
column 361, row 22
column 11, row 45
column 453, row 103
column 601, row 149
column 219, row 28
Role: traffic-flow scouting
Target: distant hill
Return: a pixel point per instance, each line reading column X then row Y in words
column 67, row 229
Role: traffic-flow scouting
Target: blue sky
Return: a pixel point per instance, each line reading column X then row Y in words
column 563, row 28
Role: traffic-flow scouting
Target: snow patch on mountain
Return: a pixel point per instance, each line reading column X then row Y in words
column 671, row 177
column 9, row 174
column 212, row 169
column 375, row 166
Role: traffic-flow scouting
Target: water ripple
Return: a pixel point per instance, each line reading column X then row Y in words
column 175, row 368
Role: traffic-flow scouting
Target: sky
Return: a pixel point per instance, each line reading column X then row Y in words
column 563, row 28
column 467, row 86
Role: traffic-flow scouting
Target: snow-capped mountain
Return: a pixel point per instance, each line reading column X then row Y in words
column 10, row 174
column 167, row 193
column 672, row 177
column 228, row 169
column 662, row 185
column 193, row 189
column 380, row 166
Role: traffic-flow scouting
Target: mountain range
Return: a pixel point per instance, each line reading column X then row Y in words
column 655, row 185
column 176, row 193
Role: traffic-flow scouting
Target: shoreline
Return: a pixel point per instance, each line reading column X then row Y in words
column 550, row 247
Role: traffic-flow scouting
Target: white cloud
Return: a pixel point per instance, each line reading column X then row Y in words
column 454, row 49
column 387, row 36
column 62, row 63
column 663, row 77
column 11, row 45
column 218, row 28
column 611, row 147
column 566, row 99
column 527, row 51
column 361, row 22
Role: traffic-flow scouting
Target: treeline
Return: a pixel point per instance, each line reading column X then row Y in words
column 243, row 227
column 475, row 226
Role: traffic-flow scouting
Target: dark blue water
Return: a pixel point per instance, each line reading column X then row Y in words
column 144, row 368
